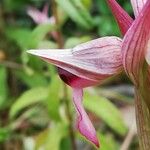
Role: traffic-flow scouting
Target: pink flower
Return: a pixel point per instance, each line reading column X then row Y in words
column 40, row 17
column 90, row 63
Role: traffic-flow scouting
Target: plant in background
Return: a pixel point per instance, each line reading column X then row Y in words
column 99, row 59
column 40, row 17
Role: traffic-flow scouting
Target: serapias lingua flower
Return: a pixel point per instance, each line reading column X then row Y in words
column 40, row 17
column 99, row 59
column 91, row 63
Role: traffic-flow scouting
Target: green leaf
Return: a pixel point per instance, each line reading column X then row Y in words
column 26, row 38
column 36, row 78
column 4, row 134
column 77, row 12
column 20, row 35
column 103, row 7
column 87, row 3
column 3, row 86
column 105, row 139
column 53, row 98
column 47, row 45
column 73, row 41
column 28, row 98
column 83, row 11
column 51, row 138
column 39, row 33
column 104, row 109
column 65, row 143
column 107, row 26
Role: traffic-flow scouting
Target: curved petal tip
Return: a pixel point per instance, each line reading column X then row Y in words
column 84, row 124
column 88, row 133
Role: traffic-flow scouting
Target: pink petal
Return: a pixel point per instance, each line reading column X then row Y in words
column 135, row 44
column 94, row 60
column 123, row 19
column 37, row 16
column 137, row 6
column 83, row 122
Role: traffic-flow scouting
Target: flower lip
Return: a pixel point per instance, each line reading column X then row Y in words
column 92, row 62
column 84, row 124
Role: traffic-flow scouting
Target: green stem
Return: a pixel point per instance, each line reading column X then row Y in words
column 143, row 122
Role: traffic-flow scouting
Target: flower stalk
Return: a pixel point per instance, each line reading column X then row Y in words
column 143, row 122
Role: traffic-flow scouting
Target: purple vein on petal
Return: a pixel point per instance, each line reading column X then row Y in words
column 94, row 60
column 137, row 6
column 135, row 43
column 84, row 124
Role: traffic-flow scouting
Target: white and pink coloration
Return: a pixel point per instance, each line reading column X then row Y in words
column 40, row 17
column 99, row 58
column 137, row 6
column 90, row 63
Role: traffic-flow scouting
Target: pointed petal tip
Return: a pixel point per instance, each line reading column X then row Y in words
column 84, row 124
column 96, row 142
column 33, row 52
column 93, row 139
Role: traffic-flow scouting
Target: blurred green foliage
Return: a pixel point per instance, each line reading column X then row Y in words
column 32, row 104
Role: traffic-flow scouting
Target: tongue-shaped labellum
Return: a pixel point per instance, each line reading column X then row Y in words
column 85, row 65
column 83, row 122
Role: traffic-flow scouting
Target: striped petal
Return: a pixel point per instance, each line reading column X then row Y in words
column 137, row 6
column 123, row 19
column 135, row 44
column 94, row 60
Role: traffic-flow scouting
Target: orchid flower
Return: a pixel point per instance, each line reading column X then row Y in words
column 90, row 63
column 87, row 64
column 40, row 17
